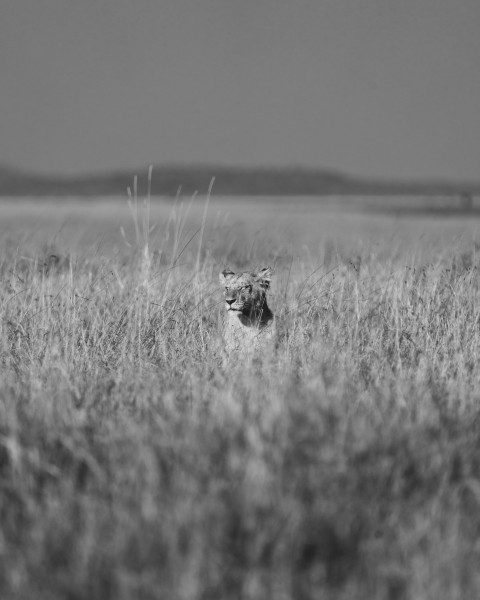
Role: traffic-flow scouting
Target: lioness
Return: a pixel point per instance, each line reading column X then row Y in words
column 249, row 323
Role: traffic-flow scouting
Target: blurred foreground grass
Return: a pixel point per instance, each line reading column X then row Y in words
column 134, row 465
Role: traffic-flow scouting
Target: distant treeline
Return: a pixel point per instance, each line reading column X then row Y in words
column 169, row 181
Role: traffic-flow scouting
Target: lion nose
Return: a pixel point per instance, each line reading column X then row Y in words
column 230, row 301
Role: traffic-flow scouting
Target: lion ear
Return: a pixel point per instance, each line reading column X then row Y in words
column 225, row 276
column 264, row 277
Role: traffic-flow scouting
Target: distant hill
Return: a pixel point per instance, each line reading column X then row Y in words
column 262, row 181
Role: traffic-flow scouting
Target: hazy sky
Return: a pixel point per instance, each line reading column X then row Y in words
column 373, row 87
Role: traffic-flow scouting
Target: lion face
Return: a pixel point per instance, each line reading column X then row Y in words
column 245, row 293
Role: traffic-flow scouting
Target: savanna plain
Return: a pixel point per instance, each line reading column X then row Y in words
column 137, row 462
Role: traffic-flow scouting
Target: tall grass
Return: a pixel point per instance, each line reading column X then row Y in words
column 133, row 464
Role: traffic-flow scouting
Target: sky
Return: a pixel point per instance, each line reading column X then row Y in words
column 376, row 88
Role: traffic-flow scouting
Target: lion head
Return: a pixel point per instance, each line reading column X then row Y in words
column 245, row 293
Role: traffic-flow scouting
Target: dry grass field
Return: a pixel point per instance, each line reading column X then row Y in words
column 135, row 464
